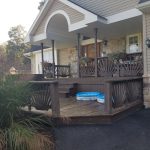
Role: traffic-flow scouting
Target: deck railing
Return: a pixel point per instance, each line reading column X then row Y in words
column 127, row 66
column 45, row 96
column 88, row 69
column 122, row 94
column 62, row 70
column 52, row 71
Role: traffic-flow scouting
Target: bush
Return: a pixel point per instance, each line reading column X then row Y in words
column 18, row 130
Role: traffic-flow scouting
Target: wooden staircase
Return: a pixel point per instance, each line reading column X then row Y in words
column 67, row 89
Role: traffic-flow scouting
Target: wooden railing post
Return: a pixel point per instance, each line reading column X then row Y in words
column 108, row 98
column 55, row 99
column 69, row 71
column 96, row 51
column 42, row 55
column 79, row 53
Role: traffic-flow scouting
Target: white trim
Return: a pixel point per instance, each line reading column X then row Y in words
column 62, row 12
column 38, row 37
column 89, row 41
column 144, row 5
column 44, row 50
column 124, row 15
column 37, row 21
column 38, row 51
column 88, row 15
column 78, row 25
column 139, row 42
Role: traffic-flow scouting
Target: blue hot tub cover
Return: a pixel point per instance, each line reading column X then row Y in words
column 99, row 96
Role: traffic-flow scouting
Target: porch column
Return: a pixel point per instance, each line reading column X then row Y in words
column 42, row 54
column 96, row 51
column 53, row 56
column 146, row 60
column 79, row 51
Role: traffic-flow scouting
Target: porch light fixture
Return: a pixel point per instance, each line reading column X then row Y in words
column 148, row 42
column 105, row 42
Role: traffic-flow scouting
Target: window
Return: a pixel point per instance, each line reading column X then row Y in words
column 134, row 43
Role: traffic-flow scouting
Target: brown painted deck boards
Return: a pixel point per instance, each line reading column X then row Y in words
column 69, row 107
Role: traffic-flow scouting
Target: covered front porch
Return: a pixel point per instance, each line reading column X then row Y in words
column 93, row 51
column 94, row 54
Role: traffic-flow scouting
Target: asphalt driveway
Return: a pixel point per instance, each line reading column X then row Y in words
column 130, row 133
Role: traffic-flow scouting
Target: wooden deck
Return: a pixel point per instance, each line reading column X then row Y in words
column 73, row 112
column 70, row 107
column 122, row 96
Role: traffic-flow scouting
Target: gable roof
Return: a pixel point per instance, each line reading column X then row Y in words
column 142, row 1
column 88, row 18
column 103, row 11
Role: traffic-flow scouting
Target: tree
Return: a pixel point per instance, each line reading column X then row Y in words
column 2, row 60
column 41, row 4
column 16, row 46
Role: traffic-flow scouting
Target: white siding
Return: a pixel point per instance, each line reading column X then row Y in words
column 74, row 15
column 37, row 59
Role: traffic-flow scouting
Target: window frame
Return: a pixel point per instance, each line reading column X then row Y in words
column 139, row 43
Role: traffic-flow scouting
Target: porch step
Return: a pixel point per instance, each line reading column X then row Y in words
column 66, row 90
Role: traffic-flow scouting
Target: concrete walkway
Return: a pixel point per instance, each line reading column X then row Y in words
column 131, row 133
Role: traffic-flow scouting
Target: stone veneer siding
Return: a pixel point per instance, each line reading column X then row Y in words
column 146, row 54
column 115, row 45
column 68, row 56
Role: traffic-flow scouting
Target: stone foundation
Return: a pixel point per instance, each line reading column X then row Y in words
column 146, row 91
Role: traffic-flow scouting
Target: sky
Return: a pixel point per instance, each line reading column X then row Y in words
column 16, row 12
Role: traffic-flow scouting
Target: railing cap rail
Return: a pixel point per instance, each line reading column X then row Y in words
column 123, row 79
column 43, row 82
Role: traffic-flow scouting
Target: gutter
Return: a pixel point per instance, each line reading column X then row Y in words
column 144, row 5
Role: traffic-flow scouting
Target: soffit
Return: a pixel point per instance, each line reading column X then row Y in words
column 106, row 7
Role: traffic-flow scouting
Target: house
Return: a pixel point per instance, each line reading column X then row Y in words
column 83, row 33
column 34, row 55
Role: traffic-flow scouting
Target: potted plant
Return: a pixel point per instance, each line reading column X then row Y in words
column 85, row 60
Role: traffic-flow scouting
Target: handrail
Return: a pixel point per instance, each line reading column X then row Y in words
column 122, row 93
column 51, row 70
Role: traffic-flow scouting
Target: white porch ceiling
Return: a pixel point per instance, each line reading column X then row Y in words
column 106, row 8
column 115, row 30
column 58, row 31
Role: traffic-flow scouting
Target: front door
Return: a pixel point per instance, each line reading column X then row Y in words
column 89, row 50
